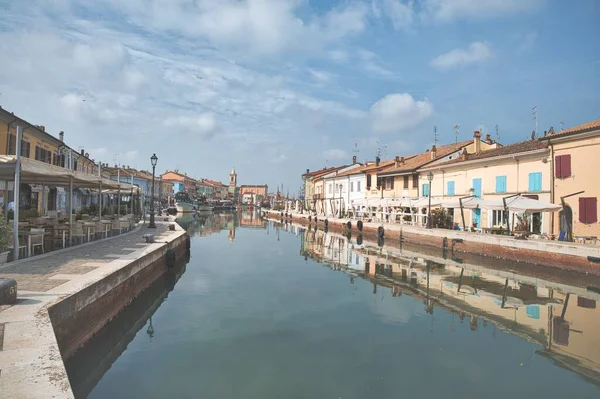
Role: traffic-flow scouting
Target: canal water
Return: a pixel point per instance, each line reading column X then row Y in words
column 268, row 310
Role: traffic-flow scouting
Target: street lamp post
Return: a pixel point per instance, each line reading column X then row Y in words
column 430, row 179
column 340, row 211
column 154, row 160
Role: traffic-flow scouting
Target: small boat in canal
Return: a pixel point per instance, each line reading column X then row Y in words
column 184, row 203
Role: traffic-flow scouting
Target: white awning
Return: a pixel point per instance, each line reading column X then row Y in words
column 36, row 172
column 525, row 204
column 470, row 203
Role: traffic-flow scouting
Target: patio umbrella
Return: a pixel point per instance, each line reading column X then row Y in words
column 524, row 204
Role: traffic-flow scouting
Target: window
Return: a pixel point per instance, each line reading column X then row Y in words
column 415, row 181
column 450, row 188
column 43, row 155
column 477, row 188
column 368, row 182
column 406, row 181
column 562, row 166
column 358, row 186
column 379, row 182
column 329, row 188
column 12, row 146
column 425, row 189
column 535, row 181
column 388, row 183
column 588, row 210
column 351, row 186
column 500, row 184
column 498, row 218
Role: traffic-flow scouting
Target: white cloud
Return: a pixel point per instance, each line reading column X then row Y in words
column 336, row 154
column 401, row 13
column 321, row 76
column 399, row 112
column 371, row 63
column 447, row 10
column 338, row 55
column 260, row 26
column 476, row 52
column 203, row 125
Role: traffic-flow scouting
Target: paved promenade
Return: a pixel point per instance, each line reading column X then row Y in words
column 30, row 362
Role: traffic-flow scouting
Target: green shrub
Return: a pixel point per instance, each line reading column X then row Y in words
column 4, row 232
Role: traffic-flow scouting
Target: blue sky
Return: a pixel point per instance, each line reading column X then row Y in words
column 274, row 87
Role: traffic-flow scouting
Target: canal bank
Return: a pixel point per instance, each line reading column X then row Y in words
column 553, row 254
column 66, row 297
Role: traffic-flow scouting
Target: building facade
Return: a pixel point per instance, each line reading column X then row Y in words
column 575, row 161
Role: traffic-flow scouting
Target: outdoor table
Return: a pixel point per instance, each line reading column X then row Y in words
column 64, row 229
column 88, row 229
column 29, row 234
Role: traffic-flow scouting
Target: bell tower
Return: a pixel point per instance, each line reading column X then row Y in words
column 233, row 178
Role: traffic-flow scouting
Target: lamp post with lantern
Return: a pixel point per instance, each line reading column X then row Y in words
column 430, row 179
column 153, row 160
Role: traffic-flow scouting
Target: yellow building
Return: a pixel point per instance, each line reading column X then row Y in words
column 41, row 146
column 403, row 178
column 520, row 168
column 575, row 156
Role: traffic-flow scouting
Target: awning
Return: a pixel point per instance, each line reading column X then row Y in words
column 470, row 203
column 524, row 204
column 36, row 172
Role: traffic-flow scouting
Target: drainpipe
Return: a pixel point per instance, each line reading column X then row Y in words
column 552, row 177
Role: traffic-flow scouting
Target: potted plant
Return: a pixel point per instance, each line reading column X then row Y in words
column 4, row 232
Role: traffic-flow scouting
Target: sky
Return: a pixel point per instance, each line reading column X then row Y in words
column 275, row 87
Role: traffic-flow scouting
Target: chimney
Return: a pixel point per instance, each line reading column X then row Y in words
column 488, row 139
column 397, row 161
column 61, row 136
column 433, row 152
column 41, row 127
column 82, row 152
column 463, row 155
column 307, row 171
column 87, row 154
column 477, row 141
column 377, row 160
column 353, row 159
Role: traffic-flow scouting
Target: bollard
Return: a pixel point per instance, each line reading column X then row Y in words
column 326, row 223
column 380, row 232
column 8, row 291
column 349, row 225
column 359, row 239
column 380, row 241
column 309, row 218
column 359, row 225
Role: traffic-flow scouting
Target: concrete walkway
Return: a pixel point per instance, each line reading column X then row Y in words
column 555, row 247
column 31, row 365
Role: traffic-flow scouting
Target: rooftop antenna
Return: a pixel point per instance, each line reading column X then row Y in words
column 456, row 131
column 435, row 136
column 378, row 152
column 534, row 112
column 355, row 150
column 497, row 133
column 562, row 126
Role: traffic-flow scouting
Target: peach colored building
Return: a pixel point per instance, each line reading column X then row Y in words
column 403, row 179
column 523, row 168
column 575, row 156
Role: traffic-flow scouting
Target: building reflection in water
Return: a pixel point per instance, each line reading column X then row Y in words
column 563, row 319
column 205, row 225
column 87, row 366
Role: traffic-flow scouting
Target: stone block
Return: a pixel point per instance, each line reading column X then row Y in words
column 8, row 291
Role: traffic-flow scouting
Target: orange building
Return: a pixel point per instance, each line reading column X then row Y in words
column 176, row 177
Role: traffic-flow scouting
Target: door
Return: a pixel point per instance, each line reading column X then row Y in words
column 476, row 217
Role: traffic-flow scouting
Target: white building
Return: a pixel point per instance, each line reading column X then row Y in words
column 338, row 187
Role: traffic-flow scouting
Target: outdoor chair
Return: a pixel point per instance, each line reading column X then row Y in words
column 100, row 229
column 37, row 239
column 22, row 244
column 77, row 232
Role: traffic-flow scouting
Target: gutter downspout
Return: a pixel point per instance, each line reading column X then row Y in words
column 552, row 192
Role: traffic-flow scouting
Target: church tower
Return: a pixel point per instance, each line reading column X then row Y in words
column 233, row 178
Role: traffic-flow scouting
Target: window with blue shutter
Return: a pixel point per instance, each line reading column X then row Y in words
column 477, row 188
column 535, row 181
column 425, row 190
column 500, row 184
column 450, row 188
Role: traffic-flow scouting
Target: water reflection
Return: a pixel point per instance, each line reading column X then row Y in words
column 564, row 320
column 89, row 364
column 205, row 225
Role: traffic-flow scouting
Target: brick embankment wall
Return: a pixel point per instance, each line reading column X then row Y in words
column 539, row 259
column 78, row 317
